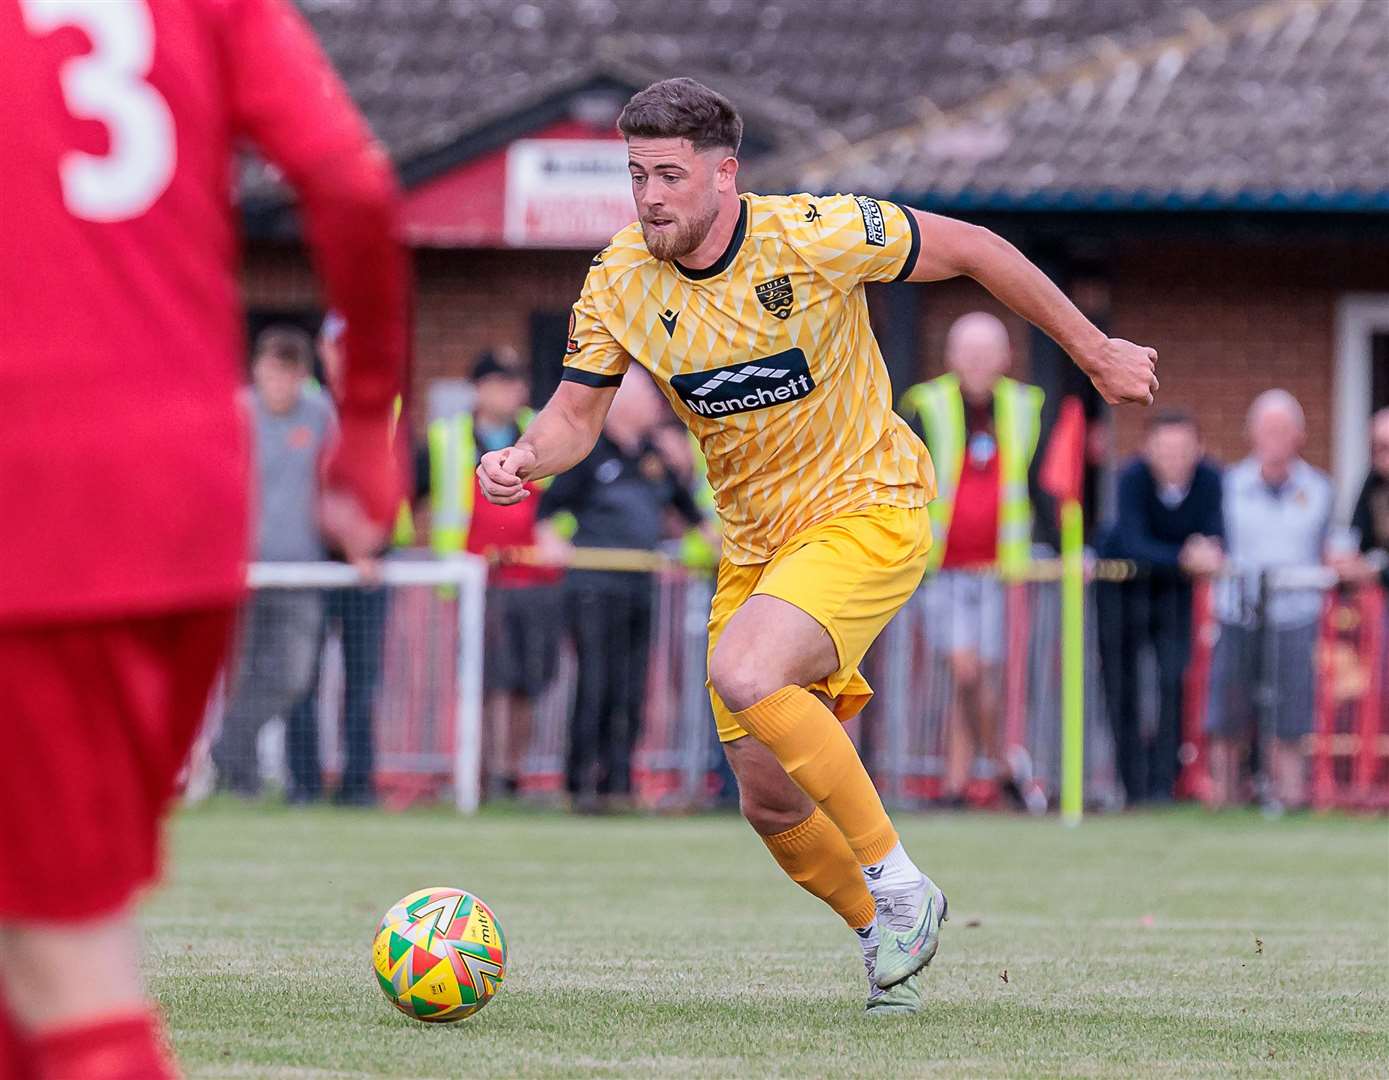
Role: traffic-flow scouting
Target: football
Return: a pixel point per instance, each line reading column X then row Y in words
column 439, row 955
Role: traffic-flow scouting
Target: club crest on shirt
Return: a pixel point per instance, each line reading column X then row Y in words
column 776, row 295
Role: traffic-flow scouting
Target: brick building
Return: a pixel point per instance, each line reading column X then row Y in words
column 1206, row 176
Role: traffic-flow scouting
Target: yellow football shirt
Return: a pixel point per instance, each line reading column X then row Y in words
column 768, row 356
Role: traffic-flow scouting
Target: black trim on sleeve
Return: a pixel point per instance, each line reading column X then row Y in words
column 589, row 378
column 729, row 253
column 910, row 264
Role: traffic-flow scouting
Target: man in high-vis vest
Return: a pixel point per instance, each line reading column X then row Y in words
column 524, row 617
column 981, row 428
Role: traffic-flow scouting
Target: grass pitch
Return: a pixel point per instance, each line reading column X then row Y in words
column 1169, row 945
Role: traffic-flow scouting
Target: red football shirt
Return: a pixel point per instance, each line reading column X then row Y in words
column 123, row 453
column 493, row 527
column 973, row 537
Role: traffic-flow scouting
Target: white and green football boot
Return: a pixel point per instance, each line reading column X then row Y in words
column 908, row 930
column 904, row 999
column 901, row 999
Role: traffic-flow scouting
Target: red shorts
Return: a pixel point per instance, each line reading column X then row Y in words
column 95, row 722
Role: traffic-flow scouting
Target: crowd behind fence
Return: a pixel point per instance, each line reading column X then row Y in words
column 428, row 732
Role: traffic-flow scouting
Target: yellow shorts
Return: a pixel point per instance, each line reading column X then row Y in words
column 850, row 573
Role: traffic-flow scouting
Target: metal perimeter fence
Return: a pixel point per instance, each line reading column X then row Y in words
column 381, row 692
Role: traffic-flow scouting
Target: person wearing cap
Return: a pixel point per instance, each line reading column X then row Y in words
column 523, row 616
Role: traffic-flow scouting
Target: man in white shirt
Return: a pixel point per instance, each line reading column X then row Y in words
column 1277, row 514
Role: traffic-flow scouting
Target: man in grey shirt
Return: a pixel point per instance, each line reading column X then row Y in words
column 1277, row 514
column 279, row 627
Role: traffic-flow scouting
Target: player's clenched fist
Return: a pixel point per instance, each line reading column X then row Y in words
column 1124, row 373
column 502, row 474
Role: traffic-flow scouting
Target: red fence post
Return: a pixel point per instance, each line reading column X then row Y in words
column 1194, row 780
column 1017, row 619
column 1324, row 716
column 1367, row 755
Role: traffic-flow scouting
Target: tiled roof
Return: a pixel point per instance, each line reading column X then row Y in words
column 1282, row 104
column 815, row 75
column 422, row 68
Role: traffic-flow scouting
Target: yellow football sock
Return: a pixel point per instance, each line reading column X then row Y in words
column 812, row 747
column 816, row 857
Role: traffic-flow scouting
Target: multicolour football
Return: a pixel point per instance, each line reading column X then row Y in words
column 440, row 955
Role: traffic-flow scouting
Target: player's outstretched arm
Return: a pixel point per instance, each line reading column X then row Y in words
column 284, row 95
column 1122, row 371
column 561, row 436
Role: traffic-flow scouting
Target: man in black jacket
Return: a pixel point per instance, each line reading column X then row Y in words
column 1169, row 523
column 618, row 496
column 1371, row 517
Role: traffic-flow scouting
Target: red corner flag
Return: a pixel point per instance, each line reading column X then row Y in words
column 1063, row 467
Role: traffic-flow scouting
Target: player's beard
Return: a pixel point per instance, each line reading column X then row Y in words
column 676, row 244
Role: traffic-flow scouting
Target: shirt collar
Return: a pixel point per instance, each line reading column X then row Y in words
column 1253, row 479
column 730, row 253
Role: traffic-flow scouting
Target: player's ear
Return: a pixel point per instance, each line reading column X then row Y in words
column 726, row 173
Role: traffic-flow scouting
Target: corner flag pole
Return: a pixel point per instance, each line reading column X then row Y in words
column 1072, row 661
column 1063, row 475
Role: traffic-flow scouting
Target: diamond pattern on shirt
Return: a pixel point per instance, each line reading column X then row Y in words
column 795, row 417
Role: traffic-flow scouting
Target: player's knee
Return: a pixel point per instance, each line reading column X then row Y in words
column 769, row 814
column 741, row 680
column 770, row 820
column 106, row 950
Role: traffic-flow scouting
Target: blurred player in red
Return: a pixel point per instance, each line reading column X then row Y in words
column 124, row 457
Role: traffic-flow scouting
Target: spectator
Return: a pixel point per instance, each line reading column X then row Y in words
column 523, row 616
column 1169, row 523
column 618, row 496
column 359, row 614
column 1277, row 513
column 700, row 544
column 280, row 627
column 981, row 428
column 1371, row 517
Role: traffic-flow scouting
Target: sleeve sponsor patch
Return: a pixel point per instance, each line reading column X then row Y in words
column 874, row 228
column 571, row 344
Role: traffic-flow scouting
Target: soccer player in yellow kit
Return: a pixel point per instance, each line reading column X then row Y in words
column 749, row 312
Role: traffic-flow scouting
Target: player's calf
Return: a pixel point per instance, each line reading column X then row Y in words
column 768, row 799
column 99, row 1025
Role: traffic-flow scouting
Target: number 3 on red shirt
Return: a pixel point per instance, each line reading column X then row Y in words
column 108, row 85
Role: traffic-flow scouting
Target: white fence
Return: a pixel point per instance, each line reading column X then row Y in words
column 395, row 708
column 424, row 732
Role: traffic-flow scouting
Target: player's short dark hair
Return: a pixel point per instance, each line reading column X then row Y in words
column 1172, row 418
column 682, row 109
column 287, row 344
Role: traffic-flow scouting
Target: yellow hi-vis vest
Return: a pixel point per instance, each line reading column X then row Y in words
column 453, row 459
column 404, row 534
column 1017, row 426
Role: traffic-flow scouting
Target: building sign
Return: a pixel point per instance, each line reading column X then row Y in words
column 566, row 193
